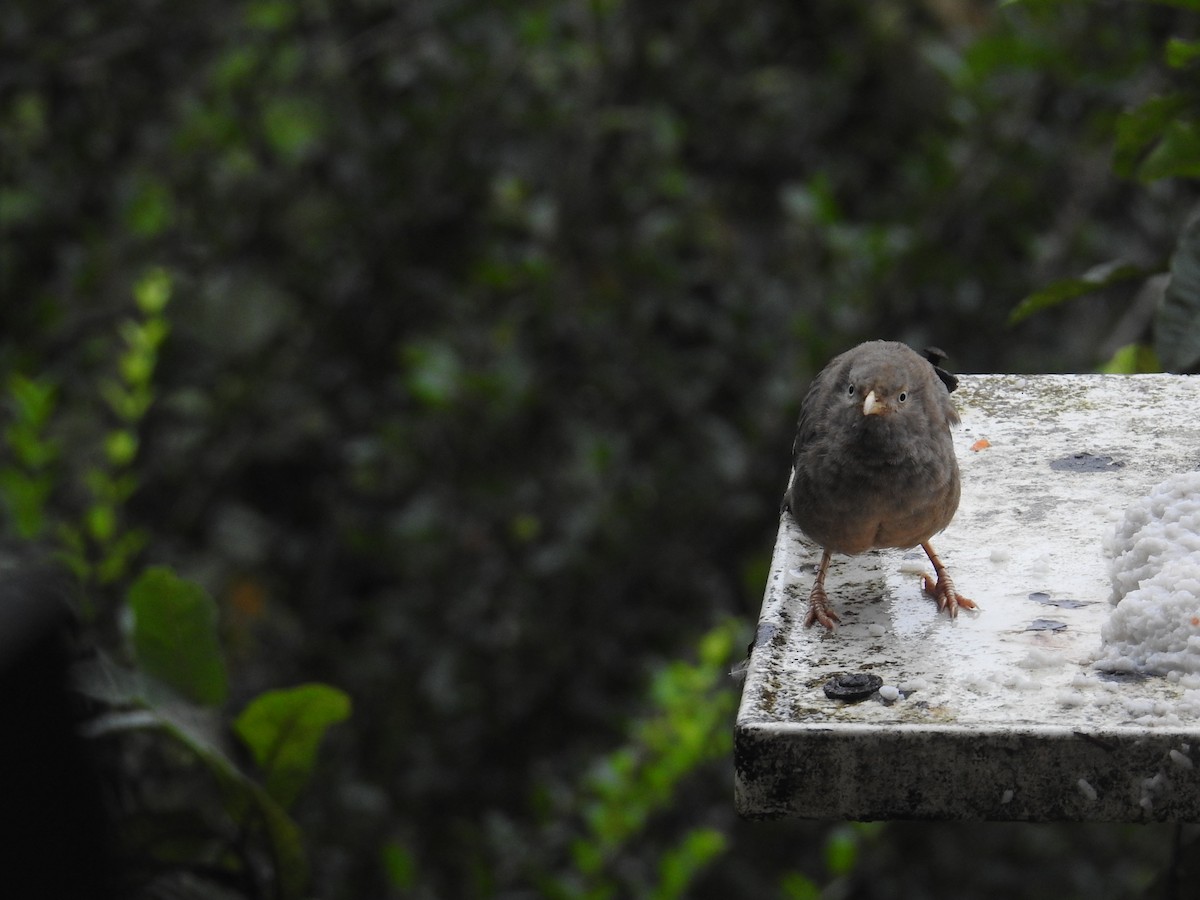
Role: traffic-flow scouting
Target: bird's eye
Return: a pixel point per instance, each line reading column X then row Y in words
column 850, row 391
column 903, row 396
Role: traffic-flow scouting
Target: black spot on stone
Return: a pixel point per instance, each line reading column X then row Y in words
column 1086, row 462
column 853, row 686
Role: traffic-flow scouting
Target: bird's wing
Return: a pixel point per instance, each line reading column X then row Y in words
column 806, row 427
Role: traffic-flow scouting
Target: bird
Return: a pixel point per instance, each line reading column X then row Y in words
column 873, row 463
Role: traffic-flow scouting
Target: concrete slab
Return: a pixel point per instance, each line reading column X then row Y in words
column 1001, row 714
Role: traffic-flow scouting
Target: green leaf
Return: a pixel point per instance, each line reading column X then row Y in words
column 1176, row 155
column 587, row 856
column 74, row 556
column 293, row 127
column 151, row 209
column 1140, row 128
column 841, row 851
column 175, row 635
column 144, row 337
column 136, row 367
column 680, row 866
column 128, row 404
column 716, row 646
column 235, row 67
column 29, row 448
column 1181, row 54
column 271, row 15
column 120, row 446
column 26, row 498
column 34, row 397
column 797, row 886
column 1177, row 321
column 283, row 730
column 101, row 521
column 119, row 554
column 1069, row 288
column 400, row 866
column 1132, row 359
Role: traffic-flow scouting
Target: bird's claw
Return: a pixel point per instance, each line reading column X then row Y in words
column 819, row 611
column 946, row 594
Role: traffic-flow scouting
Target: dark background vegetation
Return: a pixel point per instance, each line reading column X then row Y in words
column 488, row 327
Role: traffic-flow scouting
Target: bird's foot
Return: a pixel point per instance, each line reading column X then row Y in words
column 946, row 594
column 819, row 611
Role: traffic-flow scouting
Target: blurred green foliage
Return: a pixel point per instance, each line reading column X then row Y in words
column 165, row 675
column 481, row 330
column 27, row 478
column 1157, row 139
column 692, row 704
column 100, row 547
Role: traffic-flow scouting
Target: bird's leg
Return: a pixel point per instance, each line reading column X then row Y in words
column 818, row 603
column 944, row 592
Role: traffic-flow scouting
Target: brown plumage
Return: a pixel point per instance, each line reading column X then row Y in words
column 873, row 462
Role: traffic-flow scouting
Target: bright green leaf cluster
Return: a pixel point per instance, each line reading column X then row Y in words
column 99, row 546
column 689, row 726
column 129, row 396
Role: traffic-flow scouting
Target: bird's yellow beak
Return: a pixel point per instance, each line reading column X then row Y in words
column 872, row 405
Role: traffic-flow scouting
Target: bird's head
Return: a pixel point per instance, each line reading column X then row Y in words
column 888, row 388
column 879, row 394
